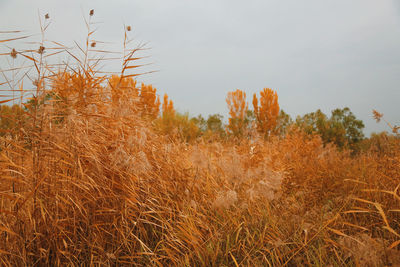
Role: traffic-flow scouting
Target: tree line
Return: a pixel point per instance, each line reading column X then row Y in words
column 341, row 127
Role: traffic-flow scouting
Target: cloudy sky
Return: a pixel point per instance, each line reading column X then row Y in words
column 316, row 54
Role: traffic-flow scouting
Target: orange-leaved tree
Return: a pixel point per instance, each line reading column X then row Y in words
column 174, row 124
column 237, row 106
column 149, row 101
column 267, row 111
column 167, row 106
column 167, row 122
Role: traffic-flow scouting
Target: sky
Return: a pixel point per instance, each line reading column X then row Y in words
column 316, row 54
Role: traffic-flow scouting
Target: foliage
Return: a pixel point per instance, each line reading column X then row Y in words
column 167, row 106
column 313, row 122
column 238, row 107
column 178, row 126
column 200, row 122
column 284, row 121
column 266, row 111
column 149, row 101
column 343, row 121
column 211, row 128
column 342, row 128
column 108, row 186
column 215, row 124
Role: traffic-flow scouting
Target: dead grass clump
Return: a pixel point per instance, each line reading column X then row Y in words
column 225, row 199
column 268, row 188
column 368, row 251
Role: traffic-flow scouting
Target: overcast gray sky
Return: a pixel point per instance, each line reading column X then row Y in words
column 317, row 54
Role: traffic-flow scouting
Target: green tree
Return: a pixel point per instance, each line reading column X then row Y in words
column 212, row 127
column 200, row 122
column 214, row 123
column 342, row 128
column 177, row 125
column 314, row 122
column 284, row 121
column 345, row 128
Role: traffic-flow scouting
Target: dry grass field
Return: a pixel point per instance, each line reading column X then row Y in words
column 89, row 177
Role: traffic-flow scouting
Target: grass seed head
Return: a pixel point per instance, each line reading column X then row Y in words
column 377, row 115
column 41, row 50
column 13, row 53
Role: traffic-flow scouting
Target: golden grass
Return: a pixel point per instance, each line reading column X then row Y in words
column 87, row 180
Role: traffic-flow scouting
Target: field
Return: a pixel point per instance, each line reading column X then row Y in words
column 92, row 174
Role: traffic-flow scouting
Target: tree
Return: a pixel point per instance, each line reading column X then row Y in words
column 212, row 127
column 266, row 111
column 200, row 122
column 167, row 106
column 314, row 122
column 284, row 121
column 214, row 123
column 237, row 106
column 149, row 101
column 168, row 118
column 342, row 128
column 178, row 125
column 345, row 129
